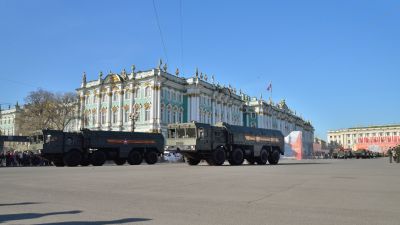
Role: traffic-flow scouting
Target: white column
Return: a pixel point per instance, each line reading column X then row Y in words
column 98, row 117
column 109, row 111
column 131, row 103
column 121, row 111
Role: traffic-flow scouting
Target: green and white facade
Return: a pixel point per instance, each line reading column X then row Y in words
column 161, row 98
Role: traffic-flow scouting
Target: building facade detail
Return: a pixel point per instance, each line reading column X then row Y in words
column 161, row 98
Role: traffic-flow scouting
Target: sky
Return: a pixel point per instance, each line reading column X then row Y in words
column 336, row 63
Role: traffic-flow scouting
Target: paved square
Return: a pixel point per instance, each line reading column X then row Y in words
column 364, row 191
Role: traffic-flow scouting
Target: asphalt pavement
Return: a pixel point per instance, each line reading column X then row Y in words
column 356, row 191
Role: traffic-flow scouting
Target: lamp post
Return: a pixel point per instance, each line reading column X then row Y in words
column 134, row 116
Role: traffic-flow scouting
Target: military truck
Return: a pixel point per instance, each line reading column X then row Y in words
column 95, row 147
column 215, row 144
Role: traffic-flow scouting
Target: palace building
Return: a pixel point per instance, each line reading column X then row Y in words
column 374, row 138
column 9, row 123
column 150, row 100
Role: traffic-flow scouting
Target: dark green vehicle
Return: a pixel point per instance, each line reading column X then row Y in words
column 215, row 144
column 95, row 147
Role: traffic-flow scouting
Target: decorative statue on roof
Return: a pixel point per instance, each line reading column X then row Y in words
column 160, row 64
column 197, row 72
column 123, row 72
column 205, row 77
column 212, row 79
column 133, row 68
column 165, row 67
column 201, row 75
column 84, row 78
column 100, row 75
column 177, row 72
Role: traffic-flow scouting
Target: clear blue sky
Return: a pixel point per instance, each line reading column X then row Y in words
column 335, row 62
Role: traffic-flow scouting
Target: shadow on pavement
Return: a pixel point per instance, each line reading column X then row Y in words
column 20, row 203
column 120, row 221
column 27, row 216
column 283, row 164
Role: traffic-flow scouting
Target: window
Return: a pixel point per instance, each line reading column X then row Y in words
column 137, row 90
column 394, row 133
column 94, row 99
column 115, row 116
column 103, row 97
column 147, row 92
column 147, row 115
column 126, row 115
column 168, row 115
column 387, row 133
column 127, row 95
column 162, row 114
column 103, row 117
column 380, row 134
column 115, row 96
column 174, row 116
column 93, row 119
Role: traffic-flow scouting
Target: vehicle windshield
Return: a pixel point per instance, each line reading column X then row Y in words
column 182, row 133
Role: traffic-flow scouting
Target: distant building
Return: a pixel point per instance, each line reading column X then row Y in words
column 156, row 98
column 374, row 138
column 9, row 120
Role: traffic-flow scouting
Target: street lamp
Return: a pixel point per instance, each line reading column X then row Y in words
column 134, row 116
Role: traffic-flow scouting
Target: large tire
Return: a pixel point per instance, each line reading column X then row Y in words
column 98, row 158
column 218, row 157
column 274, row 157
column 85, row 162
column 72, row 158
column 192, row 161
column 58, row 163
column 251, row 160
column 151, row 157
column 237, row 157
column 263, row 158
column 119, row 161
column 135, row 157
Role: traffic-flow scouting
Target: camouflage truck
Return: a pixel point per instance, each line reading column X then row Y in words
column 95, row 147
column 215, row 144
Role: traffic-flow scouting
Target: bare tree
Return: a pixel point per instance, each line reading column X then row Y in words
column 44, row 109
column 65, row 110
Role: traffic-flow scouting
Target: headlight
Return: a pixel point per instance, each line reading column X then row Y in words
column 192, row 147
column 166, row 147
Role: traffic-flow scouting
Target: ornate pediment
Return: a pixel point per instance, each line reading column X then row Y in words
column 113, row 78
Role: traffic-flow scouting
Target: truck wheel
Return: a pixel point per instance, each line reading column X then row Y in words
column 85, row 162
column 98, row 158
column 72, row 158
column 251, row 160
column 135, row 157
column 263, row 158
column 237, row 157
column 218, row 157
column 193, row 162
column 273, row 158
column 151, row 157
column 119, row 161
column 58, row 163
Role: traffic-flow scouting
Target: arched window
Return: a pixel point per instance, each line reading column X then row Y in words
column 147, row 114
column 126, row 115
column 137, row 92
column 168, row 115
column 103, row 116
column 93, row 118
column 147, row 92
column 115, row 116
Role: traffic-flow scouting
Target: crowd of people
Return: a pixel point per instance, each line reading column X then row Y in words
column 22, row 158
